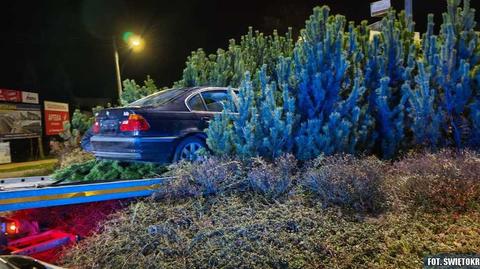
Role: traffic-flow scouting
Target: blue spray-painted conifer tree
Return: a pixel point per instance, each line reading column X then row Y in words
column 346, row 90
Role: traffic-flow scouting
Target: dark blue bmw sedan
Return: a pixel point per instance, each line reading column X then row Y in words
column 167, row 126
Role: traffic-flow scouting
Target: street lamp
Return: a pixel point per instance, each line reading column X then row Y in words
column 136, row 44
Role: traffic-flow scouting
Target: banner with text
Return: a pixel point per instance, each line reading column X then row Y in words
column 14, row 96
column 56, row 114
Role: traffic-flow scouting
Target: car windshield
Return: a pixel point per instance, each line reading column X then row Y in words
column 159, row 98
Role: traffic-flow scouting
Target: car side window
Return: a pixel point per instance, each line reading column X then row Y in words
column 196, row 103
column 215, row 100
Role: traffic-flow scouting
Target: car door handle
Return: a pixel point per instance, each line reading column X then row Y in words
column 205, row 118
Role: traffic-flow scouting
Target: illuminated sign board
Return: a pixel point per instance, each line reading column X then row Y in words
column 56, row 114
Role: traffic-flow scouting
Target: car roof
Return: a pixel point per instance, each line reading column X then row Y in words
column 203, row 88
column 193, row 90
column 183, row 93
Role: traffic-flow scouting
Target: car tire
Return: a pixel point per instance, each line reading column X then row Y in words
column 187, row 149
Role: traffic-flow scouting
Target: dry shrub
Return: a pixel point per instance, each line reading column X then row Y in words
column 272, row 180
column 75, row 156
column 221, row 175
column 347, row 181
column 213, row 176
column 448, row 180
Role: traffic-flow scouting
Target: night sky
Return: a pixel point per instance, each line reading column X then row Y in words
column 63, row 49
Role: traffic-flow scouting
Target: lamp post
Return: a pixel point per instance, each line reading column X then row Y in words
column 136, row 44
column 117, row 68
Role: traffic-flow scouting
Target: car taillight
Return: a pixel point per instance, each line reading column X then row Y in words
column 96, row 127
column 134, row 122
column 12, row 228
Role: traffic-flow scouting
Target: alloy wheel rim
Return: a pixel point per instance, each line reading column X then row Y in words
column 190, row 150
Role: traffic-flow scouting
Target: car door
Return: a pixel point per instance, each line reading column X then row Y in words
column 207, row 103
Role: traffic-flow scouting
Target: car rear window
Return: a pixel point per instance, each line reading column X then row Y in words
column 159, row 98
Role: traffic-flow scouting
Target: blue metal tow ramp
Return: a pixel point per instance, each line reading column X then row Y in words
column 28, row 194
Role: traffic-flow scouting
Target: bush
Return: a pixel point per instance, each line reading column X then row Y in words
column 74, row 156
column 228, row 67
column 94, row 170
column 222, row 176
column 272, row 180
column 336, row 181
column 74, row 172
column 68, row 150
column 347, row 182
column 213, row 176
column 444, row 181
column 132, row 91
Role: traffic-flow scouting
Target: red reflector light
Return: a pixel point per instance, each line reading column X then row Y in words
column 12, row 228
column 134, row 122
column 96, row 127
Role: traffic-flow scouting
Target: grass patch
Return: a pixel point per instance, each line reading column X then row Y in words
column 243, row 232
column 44, row 166
column 41, row 169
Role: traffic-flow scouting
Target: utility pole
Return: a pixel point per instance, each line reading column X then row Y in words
column 117, row 69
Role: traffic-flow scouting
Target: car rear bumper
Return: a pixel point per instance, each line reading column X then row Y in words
column 164, row 139
column 151, row 149
column 118, row 155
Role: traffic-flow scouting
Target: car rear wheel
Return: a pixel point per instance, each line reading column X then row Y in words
column 189, row 149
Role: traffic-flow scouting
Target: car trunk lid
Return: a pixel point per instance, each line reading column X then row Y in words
column 109, row 120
